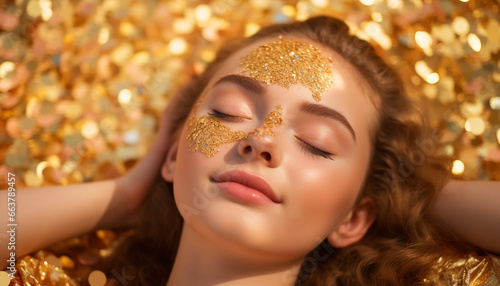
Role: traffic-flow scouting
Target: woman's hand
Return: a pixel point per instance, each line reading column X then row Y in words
column 51, row 214
column 132, row 188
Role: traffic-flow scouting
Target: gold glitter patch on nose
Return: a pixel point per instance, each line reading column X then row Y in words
column 208, row 134
column 273, row 119
column 287, row 62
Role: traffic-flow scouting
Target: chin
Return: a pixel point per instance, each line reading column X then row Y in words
column 239, row 227
column 233, row 223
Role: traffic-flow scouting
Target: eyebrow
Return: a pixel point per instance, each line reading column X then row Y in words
column 247, row 83
column 254, row 86
column 324, row 111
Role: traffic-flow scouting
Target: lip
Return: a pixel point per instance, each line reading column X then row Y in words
column 245, row 186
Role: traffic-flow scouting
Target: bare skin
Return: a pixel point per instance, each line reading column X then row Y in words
column 81, row 208
column 242, row 243
column 470, row 210
column 467, row 208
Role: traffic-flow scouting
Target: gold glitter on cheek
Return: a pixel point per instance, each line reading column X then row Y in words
column 209, row 134
column 273, row 119
column 287, row 62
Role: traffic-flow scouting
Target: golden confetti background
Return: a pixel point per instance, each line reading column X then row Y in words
column 82, row 83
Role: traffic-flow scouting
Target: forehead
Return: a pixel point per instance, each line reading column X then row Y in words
column 286, row 62
column 350, row 93
column 349, row 89
column 343, row 73
column 253, row 58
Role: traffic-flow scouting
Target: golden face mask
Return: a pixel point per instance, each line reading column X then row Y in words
column 208, row 134
column 282, row 62
column 287, row 62
column 273, row 119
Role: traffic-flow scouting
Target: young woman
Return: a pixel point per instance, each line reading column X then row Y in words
column 282, row 164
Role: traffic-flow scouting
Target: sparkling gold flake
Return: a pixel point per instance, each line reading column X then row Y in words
column 273, row 119
column 38, row 269
column 48, row 57
column 287, row 62
column 45, row 60
column 209, row 134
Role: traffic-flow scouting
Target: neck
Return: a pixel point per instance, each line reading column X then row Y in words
column 201, row 261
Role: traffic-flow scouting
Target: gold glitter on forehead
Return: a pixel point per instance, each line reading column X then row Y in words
column 273, row 119
column 287, row 62
column 208, row 134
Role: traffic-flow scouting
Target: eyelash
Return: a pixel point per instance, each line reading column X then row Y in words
column 304, row 145
column 222, row 115
column 313, row 150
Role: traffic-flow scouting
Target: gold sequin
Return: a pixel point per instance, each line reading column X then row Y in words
column 37, row 269
column 97, row 278
column 287, row 62
column 472, row 269
column 54, row 60
column 273, row 119
column 209, row 134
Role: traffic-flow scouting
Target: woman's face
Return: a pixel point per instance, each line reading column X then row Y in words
column 312, row 154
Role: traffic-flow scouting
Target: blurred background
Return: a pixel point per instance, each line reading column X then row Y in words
column 83, row 83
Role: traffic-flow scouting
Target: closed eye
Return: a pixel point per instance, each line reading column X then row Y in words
column 225, row 116
column 314, row 150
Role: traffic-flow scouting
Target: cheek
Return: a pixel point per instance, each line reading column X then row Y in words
column 322, row 199
column 187, row 178
column 316, row 205
column 207, row 135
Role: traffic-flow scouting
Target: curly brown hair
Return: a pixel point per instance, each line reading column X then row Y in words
column 405, row 177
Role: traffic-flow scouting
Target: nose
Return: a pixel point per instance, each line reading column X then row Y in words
column 263, row 148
